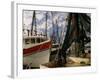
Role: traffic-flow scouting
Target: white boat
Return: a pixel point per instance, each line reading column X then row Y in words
column 36, row 50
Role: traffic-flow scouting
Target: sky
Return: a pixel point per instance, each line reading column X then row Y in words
column 55, row 20
column 52, row 18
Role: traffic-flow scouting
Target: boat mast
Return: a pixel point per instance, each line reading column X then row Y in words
column 33, row 21
column 53, row 30
column 57, row 32
column 46, row 27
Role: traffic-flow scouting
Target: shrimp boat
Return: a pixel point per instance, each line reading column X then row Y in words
column 36, row 48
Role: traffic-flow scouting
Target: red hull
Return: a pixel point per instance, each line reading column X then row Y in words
column 37, row 48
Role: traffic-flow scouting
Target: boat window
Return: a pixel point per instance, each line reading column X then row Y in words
column 33, row 40
column 38, row 40
column 27, row 41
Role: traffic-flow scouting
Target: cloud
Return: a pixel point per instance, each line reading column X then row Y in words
column 41, row 20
